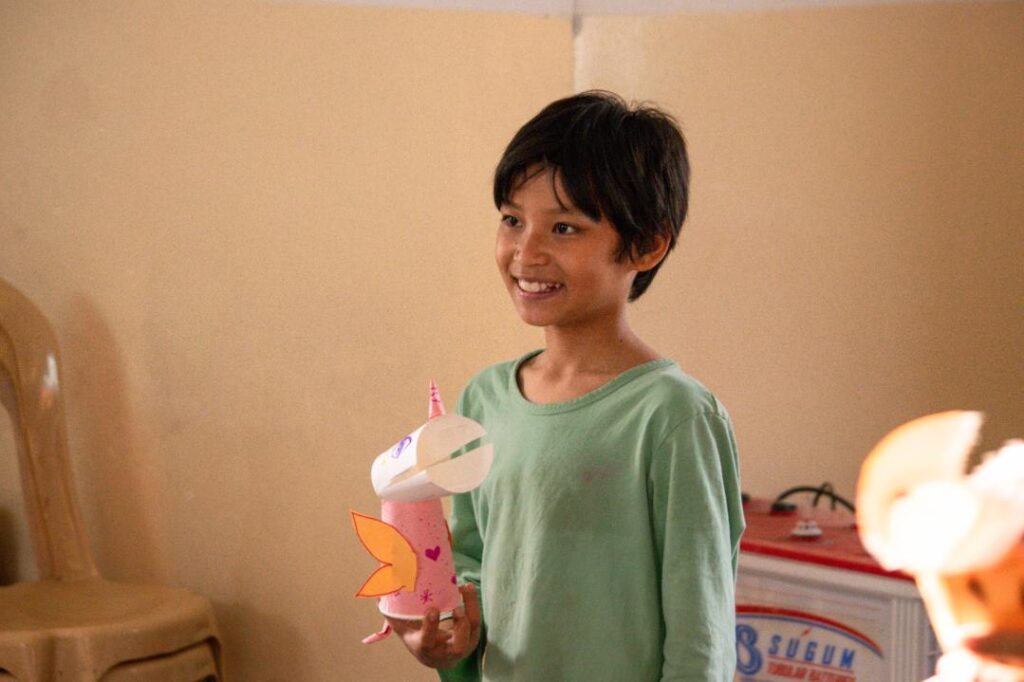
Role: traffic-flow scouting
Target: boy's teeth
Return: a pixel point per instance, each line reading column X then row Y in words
column 537, row 287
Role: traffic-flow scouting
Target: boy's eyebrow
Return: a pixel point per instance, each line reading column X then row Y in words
column 561, row 210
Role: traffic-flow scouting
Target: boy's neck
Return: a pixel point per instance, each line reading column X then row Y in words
column 576, row 361
column 609, row 349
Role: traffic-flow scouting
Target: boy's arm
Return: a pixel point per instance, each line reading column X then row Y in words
column 698, row 519
column 467, row 549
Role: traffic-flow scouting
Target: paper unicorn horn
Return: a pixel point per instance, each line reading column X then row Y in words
column 411, row 540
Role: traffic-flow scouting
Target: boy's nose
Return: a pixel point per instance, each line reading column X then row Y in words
column 530, row 248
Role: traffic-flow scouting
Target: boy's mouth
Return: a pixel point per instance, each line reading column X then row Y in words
column 536, row 287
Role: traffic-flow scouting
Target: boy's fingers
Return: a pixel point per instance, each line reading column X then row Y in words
column 428, row 635
column 439, row 646
column 472, row 605
column 460, row 633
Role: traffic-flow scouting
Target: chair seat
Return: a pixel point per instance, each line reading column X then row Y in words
column 195, row 664
column 79, row 630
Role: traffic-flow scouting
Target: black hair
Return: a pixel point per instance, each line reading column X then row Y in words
column 626, row 163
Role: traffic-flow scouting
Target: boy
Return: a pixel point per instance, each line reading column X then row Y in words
column 604, row 541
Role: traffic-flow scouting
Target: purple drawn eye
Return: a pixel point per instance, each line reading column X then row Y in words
column 400, row 447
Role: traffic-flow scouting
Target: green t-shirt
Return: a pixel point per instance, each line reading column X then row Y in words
column 604, row 540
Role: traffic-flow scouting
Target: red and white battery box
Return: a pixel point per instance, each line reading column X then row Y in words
column 819, row 608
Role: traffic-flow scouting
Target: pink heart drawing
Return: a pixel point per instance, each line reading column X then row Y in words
column 434, row 553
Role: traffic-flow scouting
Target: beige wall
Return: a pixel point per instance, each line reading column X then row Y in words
column 853, row 257
column 259, row 231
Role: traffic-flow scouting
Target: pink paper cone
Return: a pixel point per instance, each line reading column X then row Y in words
column 423, row 525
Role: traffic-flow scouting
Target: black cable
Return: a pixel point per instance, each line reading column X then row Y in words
column 824, row 490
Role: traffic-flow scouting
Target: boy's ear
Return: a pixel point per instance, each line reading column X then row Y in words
column 648, row 260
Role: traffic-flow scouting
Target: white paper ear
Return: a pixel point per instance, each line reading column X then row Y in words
column 419, row 468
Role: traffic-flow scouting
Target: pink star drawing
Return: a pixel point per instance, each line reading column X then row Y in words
column 425, row 596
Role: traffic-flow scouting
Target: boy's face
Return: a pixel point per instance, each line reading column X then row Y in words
column 559, row 266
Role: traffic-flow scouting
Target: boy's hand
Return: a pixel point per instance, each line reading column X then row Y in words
column 443, row 644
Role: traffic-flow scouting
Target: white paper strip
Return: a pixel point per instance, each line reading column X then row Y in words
column 419, row 467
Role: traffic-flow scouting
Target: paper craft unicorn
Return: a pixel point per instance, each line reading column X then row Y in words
column 411, row 540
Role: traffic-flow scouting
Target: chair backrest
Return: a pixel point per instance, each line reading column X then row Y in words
column 30, row 361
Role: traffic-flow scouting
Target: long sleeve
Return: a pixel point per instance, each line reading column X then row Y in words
column 467, row 545
column 697, row 518
column 605, row 535
column 467, row 549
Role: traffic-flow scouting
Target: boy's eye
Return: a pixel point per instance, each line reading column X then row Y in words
column 510, row 220
column 564, row 228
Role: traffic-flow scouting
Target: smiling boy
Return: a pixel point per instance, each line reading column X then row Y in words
column 604, row 541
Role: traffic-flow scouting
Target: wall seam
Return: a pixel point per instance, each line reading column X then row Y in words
column 577, row 27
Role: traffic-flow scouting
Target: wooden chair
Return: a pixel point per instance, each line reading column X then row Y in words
column 71, row 624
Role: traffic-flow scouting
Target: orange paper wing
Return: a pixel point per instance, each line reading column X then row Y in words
column 388, row 546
